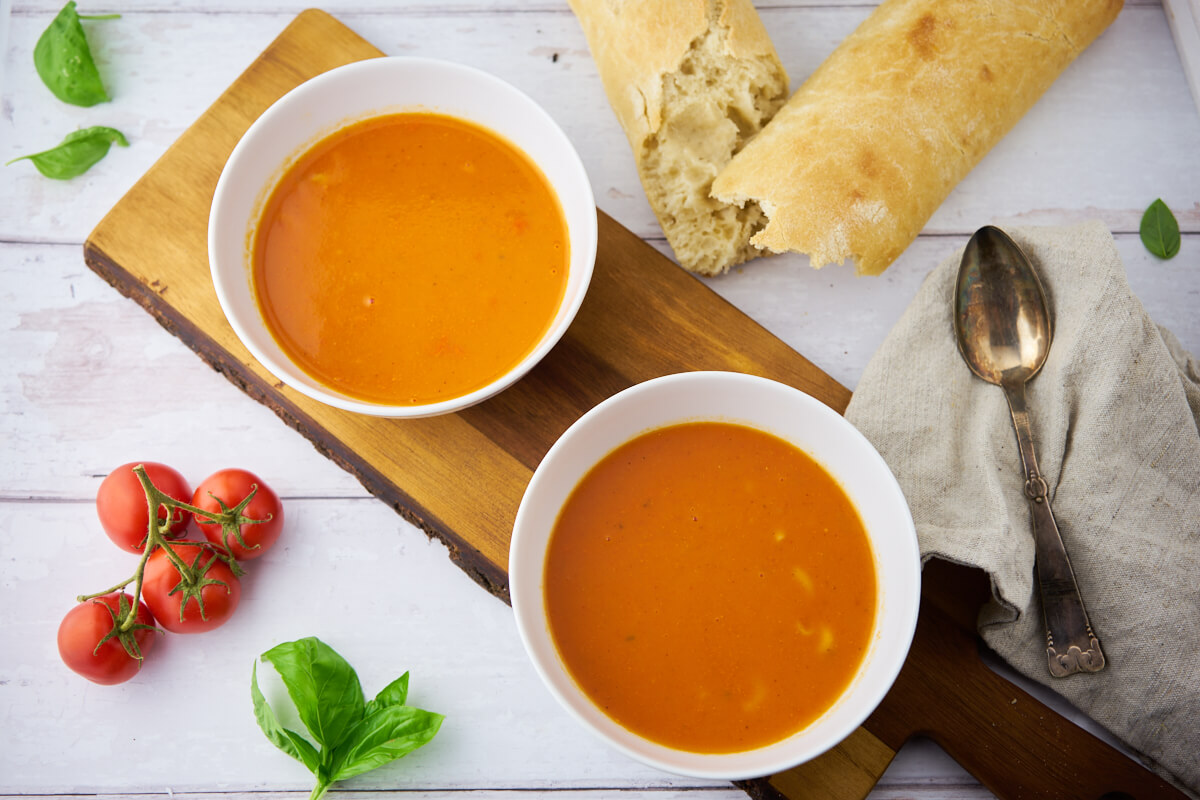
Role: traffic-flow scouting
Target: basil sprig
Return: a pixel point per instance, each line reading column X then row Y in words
column 64, row 60
column 347, row 736
column 1160, row 230
column 75, row 154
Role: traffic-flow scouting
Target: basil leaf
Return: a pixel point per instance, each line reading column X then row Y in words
column 64, row 60
column 76, row 153
column 394, row 694
column 386, row 735
column 289, row 742
column 1160, row 230
column 323, row 686
column 352, row 736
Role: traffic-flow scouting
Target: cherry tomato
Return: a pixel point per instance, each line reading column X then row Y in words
column 121, row 504
column 231, row 486
column 88, row 624
column 207, row 603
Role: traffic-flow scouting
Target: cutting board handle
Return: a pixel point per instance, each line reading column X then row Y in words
column 847, row 772
column 1011, row 742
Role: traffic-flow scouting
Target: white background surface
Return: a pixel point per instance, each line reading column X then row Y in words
column 89, row 381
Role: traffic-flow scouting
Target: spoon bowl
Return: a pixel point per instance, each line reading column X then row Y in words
column 1002, row 319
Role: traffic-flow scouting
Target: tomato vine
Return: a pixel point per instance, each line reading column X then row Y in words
column 193, row 575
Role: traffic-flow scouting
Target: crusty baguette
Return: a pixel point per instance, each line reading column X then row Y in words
column 690, row 81
column 874, row 141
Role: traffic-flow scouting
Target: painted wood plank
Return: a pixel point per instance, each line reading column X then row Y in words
column 1184, row 19
column 80, row 359
column 349, row 571
column 1073, row 155
column 91, row 381
column 839, row 319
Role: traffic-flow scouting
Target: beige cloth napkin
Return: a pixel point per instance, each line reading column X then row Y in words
column 1115, row 414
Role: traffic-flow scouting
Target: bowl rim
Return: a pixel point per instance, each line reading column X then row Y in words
column 722, row 766
column 583, row 237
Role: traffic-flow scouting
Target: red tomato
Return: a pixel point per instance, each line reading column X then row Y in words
column 87, row 624
column 231, row 486
column 121, row 504
column 205, row 604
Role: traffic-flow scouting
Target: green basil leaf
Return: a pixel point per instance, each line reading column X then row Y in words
column 289, row 742
column 323, row 686
column 394, row 694
column 76, row 153
column 386, row 735
column 308, row 754
column 64, row 60
column 1160, row 230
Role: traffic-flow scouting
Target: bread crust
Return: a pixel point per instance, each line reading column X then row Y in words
column 868, row 148
column 636, row 42
column 690, row 81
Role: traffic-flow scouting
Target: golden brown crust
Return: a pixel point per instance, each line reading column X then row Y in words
column 745, row 35
column 634, row 44
column 874, row 141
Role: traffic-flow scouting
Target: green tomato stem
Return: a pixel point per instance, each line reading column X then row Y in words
column 83, row 598
column 155, row 498
column 130, row 618
column 155, row 536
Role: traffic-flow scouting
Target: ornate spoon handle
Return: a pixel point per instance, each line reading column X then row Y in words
column 1071, row 646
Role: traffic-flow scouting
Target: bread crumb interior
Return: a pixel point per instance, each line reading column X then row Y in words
column 712, row 105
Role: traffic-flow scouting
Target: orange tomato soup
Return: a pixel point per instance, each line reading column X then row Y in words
column 710, row 587
column 410, row 258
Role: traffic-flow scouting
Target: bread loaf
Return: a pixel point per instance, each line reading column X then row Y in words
column 873, row 142
column 690, row 81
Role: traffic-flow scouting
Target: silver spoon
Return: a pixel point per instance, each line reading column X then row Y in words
column 1002, row 323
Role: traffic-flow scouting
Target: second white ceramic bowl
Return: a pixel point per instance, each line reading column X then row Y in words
column 791, row 415
column 330, row 101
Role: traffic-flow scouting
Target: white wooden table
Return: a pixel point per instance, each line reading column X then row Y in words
column 89, row 381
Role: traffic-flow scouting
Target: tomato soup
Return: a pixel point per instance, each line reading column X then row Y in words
column 410, row 258
column 710, row 587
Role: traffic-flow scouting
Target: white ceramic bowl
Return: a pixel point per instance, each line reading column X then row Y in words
column 793, row 416
column 319, row 107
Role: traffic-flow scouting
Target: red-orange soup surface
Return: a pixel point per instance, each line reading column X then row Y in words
column 710, row 587
column 410, row 258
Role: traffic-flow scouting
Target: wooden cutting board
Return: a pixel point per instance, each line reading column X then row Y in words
column 460, row 477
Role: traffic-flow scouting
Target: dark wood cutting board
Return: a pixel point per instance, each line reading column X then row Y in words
column 460, row 477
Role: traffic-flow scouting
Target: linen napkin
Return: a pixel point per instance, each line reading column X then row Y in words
column 1116, row 425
